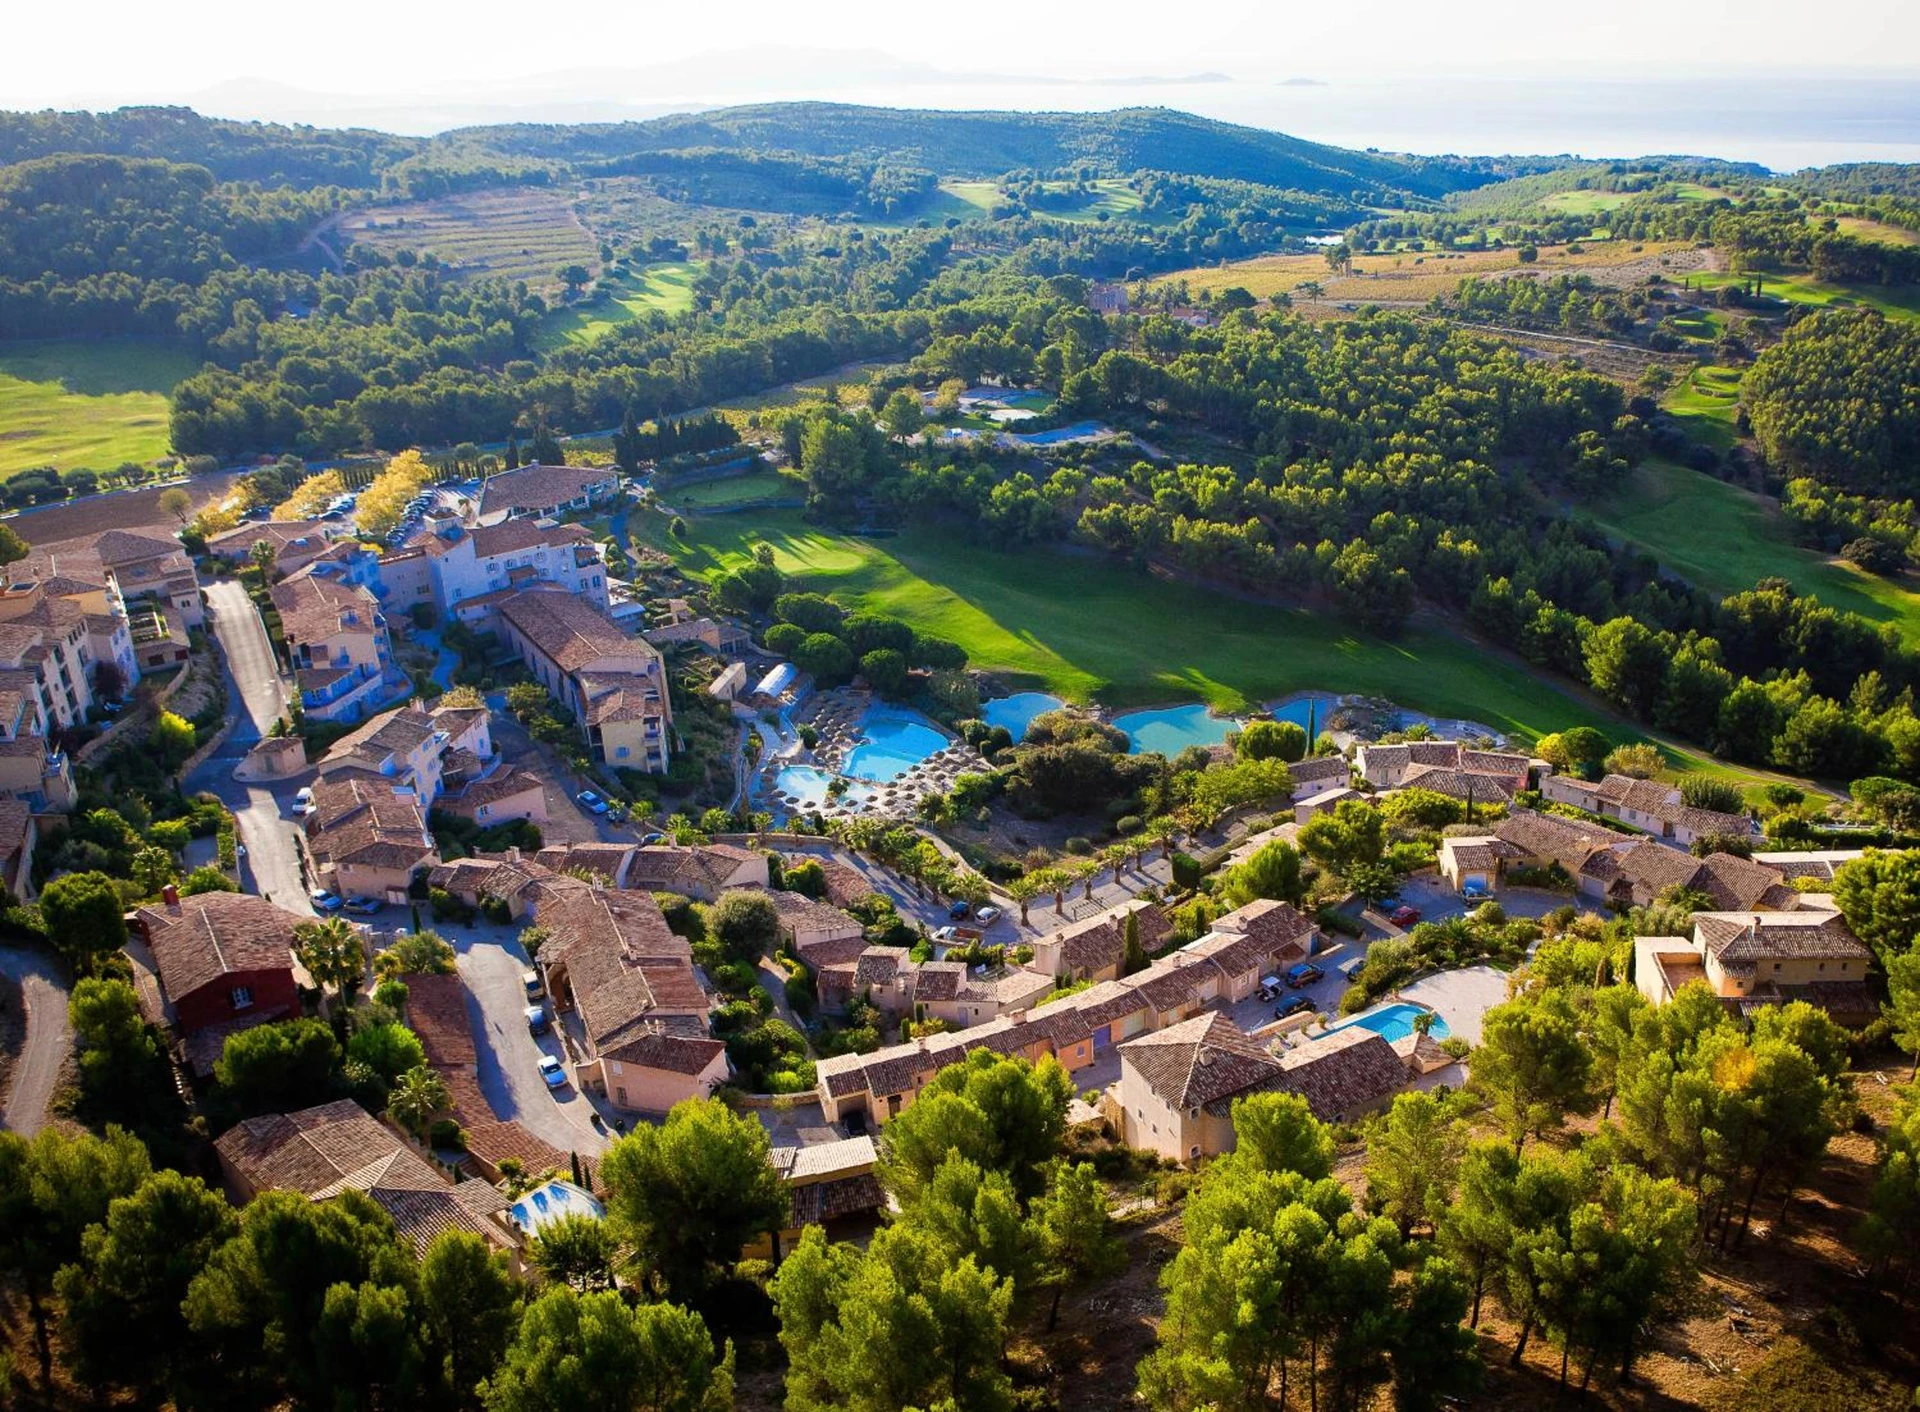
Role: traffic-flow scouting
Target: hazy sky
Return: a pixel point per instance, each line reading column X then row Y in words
column 112, row 51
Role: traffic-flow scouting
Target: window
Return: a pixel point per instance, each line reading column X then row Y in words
column 242, row 997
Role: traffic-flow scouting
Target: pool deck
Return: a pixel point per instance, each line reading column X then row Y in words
column 1462, row 997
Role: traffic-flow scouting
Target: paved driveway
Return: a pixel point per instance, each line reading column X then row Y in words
column 1438, row 902
column 49, row 1040
column 491, row 962
column 256, row 697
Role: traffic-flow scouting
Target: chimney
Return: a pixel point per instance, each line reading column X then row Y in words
column 513, row 853
column 171, row 896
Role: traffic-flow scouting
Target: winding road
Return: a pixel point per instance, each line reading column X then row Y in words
column 253, row 681
column 49, row 1040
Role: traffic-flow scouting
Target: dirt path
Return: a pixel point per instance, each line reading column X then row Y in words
column 49, row 1040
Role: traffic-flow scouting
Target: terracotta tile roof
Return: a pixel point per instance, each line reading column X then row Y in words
column 846, row 884
column 315, row 609
column 1332, row 769
column 1199, row 1061
column 1549, row 838
column 1344, row 1073
column 360, row 820
column 1744, row 938
column 604, row 860
column 1172, row 980
column 833, row 951
column 1460, row 784
column 1820, row 864
column 668, row 868
column 1482, row 852
column 879, row 965
column 1655, row 867
column 537, row 487
column 570, row 631
column 626, row 971
column 1738, row 884
column 489, row 875
column 938, row 980
column 1701, row 822
column 796, row 909
column 520, row 535
column 494, row 1142
column 621, row 703
column 1098, row 942
column 1496, row 762
column 387, row 736
column 668, row 1052
column 437, row 1013
column 213, row 934
column 16, row 817
column 501, row 785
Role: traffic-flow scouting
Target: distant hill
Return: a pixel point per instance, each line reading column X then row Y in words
column 984, row 144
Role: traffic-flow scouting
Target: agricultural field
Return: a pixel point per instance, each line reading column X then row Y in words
column 1878, row 230
column 1088, row 630
column 514, row 234
column 621, row 298
column 1407, row 277
column 1586, row 203
column 1725, row 540
column 82, row 404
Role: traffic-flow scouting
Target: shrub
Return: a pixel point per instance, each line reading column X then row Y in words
column 1127, row 825
column 447, row 907
column 1186, row 871
column 446, row 1135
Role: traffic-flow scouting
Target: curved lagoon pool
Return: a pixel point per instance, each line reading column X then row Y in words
column 1393, row 1022
column 1016, row 712
column 1173, row 728
column 891, row 743
column 808, row 784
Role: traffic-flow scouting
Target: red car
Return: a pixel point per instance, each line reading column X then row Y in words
column 1404, row 916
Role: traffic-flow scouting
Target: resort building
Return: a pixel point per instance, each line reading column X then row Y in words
column 471, row 568
column 337, row 1147
column 1093, row 948
column 1397, row 766
column 614, row 685
column 546, row 492
column 364, row 839
column 294, row 543
column 1646, row 805
column 1318, row 775
column 1751, row 959
column 415, row 751
column 342, row 656
column 214, row 963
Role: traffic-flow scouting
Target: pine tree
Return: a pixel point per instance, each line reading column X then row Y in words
column 1134, row 957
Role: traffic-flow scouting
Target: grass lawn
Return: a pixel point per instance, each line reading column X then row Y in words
column 734, row 490
column 74, row 404
column 1869, row 229
column 1706, row 401
column 1726, row 539
column 1085, row 629
column 1895, row 301
column 667, row 286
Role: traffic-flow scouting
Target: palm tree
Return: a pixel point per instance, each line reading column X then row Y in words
column 1023, row 890
column 332, row 954
column 263, row 555
column 418, row 1096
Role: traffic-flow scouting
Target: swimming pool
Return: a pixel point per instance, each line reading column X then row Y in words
column 1393, row 1022
column 545, row 1204
column 890, row 745
column 808, row 784
column 1173, row 728
column 1016, row 712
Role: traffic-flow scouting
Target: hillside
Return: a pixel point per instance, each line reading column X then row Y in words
column 990, row 143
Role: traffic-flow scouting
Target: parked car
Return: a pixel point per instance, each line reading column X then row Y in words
column 1306, row 973
column 323, row 900
column 650, row 839
column 590, row 801
column 303, row 796
column 536, row 987
column 363, row 906
column 553, row 1071
column 986, row 916
column 1475, row 892
column 1270, row 987
column 1404, row 916
column 536, row 1018
column 958, row 911
column 945, row 935
column 1292, row 1006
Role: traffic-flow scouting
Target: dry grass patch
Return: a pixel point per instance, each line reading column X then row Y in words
column 516, row 234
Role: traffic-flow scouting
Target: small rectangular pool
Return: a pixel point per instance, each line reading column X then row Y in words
column 1392, row 1022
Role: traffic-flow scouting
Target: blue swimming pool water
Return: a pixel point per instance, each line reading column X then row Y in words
column 809, row 783
column 1075, row 432
column 1016, row 712
column 1393, row 1022
column 552, row 1201
column 890, row 745
column 1173, row 728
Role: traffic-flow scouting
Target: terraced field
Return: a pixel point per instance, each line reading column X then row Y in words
column 1409, row 277
column 521, row 234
